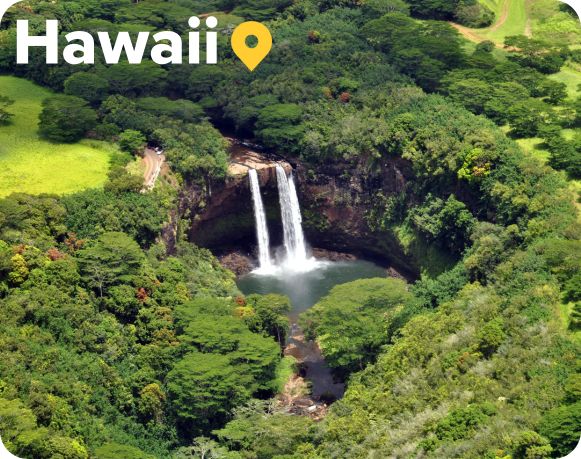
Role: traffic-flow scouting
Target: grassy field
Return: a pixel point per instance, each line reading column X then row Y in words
column 571, row 77
column 542, row 19
column 32, row 165
column 511, row 16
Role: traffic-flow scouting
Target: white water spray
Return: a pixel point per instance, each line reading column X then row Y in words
column 266, row 264
column 294, row 238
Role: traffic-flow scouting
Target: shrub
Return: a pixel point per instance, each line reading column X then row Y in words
column 66, row 119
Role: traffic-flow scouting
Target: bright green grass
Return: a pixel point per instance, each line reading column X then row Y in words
column 284, row 370
column 569, row 76
column 533, row 147
column 551, row 24
column 564, row 315
column 494, row 5
column 515, row 22
column 31, row 165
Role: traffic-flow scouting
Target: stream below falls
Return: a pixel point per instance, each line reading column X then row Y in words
column 305, row 289
column 291, row 270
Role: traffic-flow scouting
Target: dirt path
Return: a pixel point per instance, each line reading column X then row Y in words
column 503, row 16
column 153, row 164
column 470, row 34
column 528, row 27
column 473, row 36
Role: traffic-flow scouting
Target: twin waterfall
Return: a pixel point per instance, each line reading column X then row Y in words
column 296, row 258
column 261, row 228
column 292, row 222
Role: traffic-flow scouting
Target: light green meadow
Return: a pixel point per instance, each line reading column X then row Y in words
column 32, row 165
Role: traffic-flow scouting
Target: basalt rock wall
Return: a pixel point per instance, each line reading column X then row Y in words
column 336, row 201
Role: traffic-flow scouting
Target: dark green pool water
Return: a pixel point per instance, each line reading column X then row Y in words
column 306, row 288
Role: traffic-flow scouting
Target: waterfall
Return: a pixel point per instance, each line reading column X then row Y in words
column 261, row 228
column 294, row 239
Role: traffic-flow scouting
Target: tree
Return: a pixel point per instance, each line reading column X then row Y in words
column 203, row 389
column 267, row 314
column 123, row 113
column 113, row 259
column 147, row 78
column 196, row 151
column 5, row 116
column 117, row 451
column 491, row 336
column 575, row 317
column 434, row 9
column 93, row 212
column 486, row 46
column 251, row 353
column 535, row 53
column 20, row 433
column 473, row 14
column 565, row 154
column 203, row 448
column 527, row 117
column 88, row 86
column 280, row 126
column 381, row 7
column 260, row 431
column 356, row 319
column 132, row 141
column 121, row 181
column 66, row 119
column 462, row 422
column 472, row 93
column 182, row 109
column 530, row 444
column 203, row 80
column 447, row 222
column 553, row 92
column 502, row 98
column 562, row 427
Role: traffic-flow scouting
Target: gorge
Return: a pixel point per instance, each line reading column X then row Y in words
column 304, row 280
column 294, row 271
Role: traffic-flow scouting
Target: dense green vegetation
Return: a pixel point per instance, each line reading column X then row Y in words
column 109, row 341
column 356, row 319
column 115, row 345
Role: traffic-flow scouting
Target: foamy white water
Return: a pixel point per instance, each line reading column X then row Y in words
column 297, row 259
column 266, row 264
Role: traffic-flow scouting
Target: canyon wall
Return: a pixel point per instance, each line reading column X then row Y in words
column 336, row 205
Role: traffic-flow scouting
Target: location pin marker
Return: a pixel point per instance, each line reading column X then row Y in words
column 251, row 57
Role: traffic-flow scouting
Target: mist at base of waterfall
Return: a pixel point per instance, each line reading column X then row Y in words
column 307, row 286
column 282, row 264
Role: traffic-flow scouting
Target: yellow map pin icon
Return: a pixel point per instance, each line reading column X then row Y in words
column 251, row 57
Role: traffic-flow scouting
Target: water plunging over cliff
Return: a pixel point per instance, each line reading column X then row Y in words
column 264, row 259
column 294, row 239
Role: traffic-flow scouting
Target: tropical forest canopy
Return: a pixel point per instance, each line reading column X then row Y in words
column 115, row 344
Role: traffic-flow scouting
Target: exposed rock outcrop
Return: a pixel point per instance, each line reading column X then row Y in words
column 336, row 201
column 223, row 217
column 337, row 209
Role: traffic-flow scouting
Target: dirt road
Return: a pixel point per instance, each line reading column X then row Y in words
column 474, row 36
column 153, row 164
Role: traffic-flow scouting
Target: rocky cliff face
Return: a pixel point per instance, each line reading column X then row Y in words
column 336, row 201
column 223, row 217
